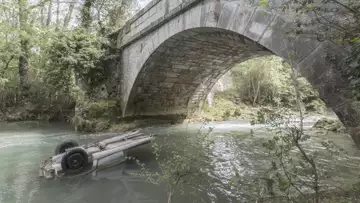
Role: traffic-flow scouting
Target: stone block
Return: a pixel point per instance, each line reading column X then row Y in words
column 227, row 15
column 172, row 74
column 258, row 24
column 166, row 84
column 211, row 13
column 182, row 67
column 171, row 80
column 192, row 17
column 242, row 17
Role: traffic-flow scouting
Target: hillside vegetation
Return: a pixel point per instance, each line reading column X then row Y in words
column 261, row 83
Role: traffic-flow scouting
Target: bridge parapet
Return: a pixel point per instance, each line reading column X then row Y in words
column 152, row 16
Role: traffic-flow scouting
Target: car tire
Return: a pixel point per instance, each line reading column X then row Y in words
column 75, row 161
column 63, row 146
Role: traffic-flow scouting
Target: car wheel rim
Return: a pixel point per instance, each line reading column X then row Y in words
column 75, row 161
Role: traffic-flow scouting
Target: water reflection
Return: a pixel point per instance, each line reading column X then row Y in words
column 235, row 154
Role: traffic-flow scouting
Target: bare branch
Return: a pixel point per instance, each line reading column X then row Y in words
column 7, row 64
column 356, row 13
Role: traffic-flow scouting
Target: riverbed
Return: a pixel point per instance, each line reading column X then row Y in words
column 236, row 152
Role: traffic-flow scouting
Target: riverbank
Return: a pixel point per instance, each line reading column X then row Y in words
column 225, row 109
column 32, row 113
column 105, row 115
column 100, row 117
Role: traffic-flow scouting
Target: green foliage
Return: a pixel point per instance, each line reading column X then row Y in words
column 113, row 14
column 227, row 108
column 100, row 109
column 61, row 56
column 257, row 80
column 91, row 116
column 43, row 104
column 262, row 82
column 266, row 81
column 76, row 51
column 264, row 3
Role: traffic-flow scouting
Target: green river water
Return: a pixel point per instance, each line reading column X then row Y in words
column 24, row 145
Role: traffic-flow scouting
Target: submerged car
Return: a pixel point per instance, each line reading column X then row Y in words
column 70, row 159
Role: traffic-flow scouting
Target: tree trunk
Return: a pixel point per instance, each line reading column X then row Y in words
column 256, row 94
column 42, row 16
column 68, row 15
column 170, row 195
column 7, row 64
column 253, row 94
column 57, row 14
column 24, row 47
column 86, row 14
column 49, row 14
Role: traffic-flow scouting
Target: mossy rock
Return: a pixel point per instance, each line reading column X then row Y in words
column 95, row 116
column 316, row 106
column 330, row 125
column 99, row 109
column 226, row 115
column 237, row 112
column 93, row 125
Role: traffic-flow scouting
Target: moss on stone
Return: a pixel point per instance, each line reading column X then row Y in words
column 100, row 109
column 315, row 106
column 95, row 116
column 330, row 125
column 226, row 109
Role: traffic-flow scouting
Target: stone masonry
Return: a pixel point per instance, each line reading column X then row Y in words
column 173, row 51
column 185, row 68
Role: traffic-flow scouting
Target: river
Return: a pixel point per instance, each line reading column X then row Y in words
column 24, row 145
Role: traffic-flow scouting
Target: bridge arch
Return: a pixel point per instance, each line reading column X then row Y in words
column 178, row 75
column 180, row 61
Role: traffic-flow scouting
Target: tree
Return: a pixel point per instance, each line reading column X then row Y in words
column 68, row 15
column 24, row 45
column 79, row 53
column 111, row 15
column 86, row 18
column 35, row 37
column 49, row 14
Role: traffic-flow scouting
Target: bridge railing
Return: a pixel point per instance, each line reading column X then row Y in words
column 151, row 14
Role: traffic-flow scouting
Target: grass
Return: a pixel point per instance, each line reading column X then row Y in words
column 225, row 109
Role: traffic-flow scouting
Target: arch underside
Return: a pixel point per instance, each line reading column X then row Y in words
column 179, row 74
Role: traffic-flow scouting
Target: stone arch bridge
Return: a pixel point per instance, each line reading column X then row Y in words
column 172, row 52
